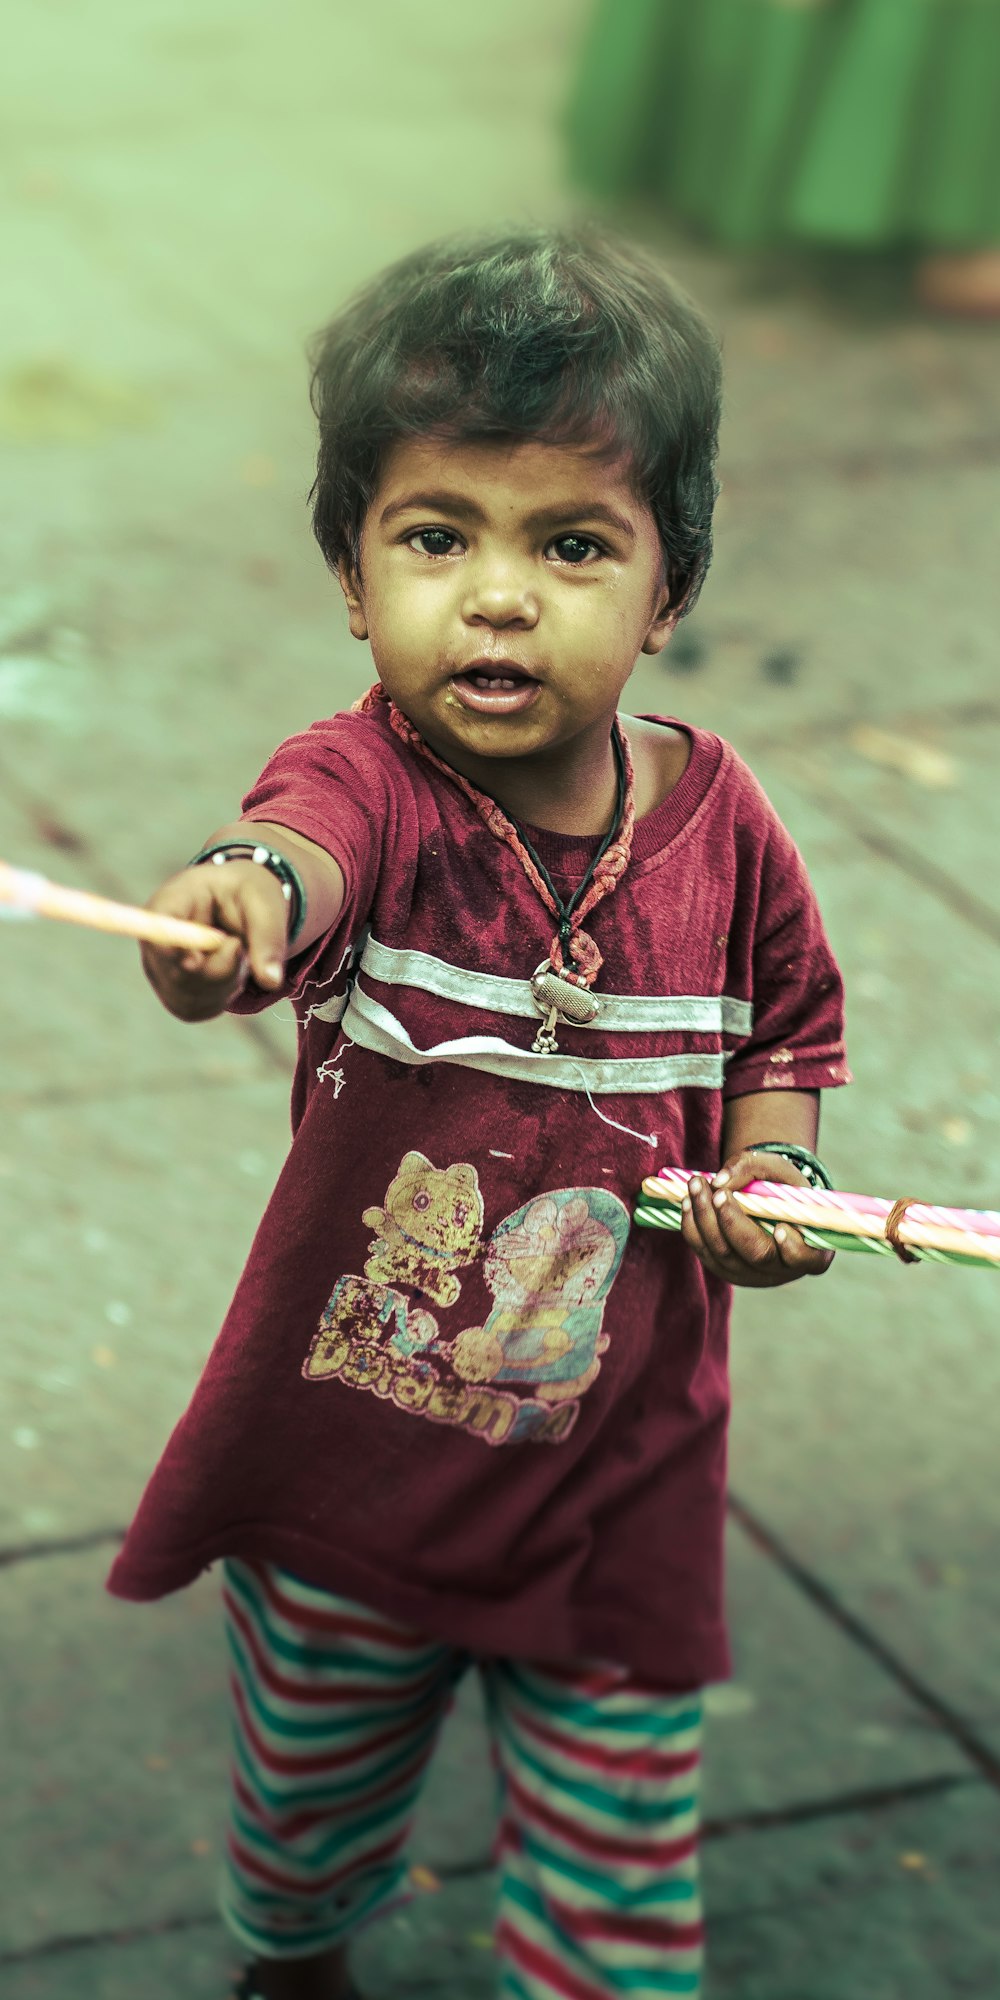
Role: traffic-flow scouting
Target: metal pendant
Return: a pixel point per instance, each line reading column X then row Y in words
column 557, row 999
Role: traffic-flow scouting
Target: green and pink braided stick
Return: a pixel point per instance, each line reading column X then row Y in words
column 914, row 1231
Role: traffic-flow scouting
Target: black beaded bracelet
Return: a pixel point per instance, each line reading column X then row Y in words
column 292, row 886
column 815, row 1173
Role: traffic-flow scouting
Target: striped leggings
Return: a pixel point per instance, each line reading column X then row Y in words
column 336, row 1711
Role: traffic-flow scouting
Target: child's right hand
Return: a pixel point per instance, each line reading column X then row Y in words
column 237, row 897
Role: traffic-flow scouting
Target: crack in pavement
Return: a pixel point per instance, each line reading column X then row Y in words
column 826, row 1600
column 54, row 1947
column 874, row 1798
column 68, row 1545
column 839, row 1805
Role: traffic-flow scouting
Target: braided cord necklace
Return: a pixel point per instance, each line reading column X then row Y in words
column 561, row 985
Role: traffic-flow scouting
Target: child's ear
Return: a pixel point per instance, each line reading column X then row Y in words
column 663, row 624
column 350, row 584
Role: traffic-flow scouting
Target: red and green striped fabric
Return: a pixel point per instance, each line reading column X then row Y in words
column 336, row 1712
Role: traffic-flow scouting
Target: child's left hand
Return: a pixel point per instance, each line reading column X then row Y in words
column 730, row 1243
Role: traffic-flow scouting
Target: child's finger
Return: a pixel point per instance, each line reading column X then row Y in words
column 736, row 1173
column 214, row 967
column 743, row 1237
column 750, row 1166
column 689, row 1228
column 196, row 985
column 252, row 903
column 691, row 1235
column 170, row 965
column 705, row 1219
column 797, row 1255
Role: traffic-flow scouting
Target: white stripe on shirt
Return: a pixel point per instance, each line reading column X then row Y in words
column 617, row 1013
column 371, row 1026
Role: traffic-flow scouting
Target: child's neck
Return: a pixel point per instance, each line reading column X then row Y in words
column 573, row 790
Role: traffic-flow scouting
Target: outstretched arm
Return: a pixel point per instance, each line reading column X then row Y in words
column 244, row 900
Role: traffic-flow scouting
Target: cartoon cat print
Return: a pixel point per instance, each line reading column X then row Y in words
column 431, row 1226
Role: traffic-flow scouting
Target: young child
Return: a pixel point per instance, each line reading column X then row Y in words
column 458, row 1411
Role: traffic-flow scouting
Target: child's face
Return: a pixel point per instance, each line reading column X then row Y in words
column 506, row 592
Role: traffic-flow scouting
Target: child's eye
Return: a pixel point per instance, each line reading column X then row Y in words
column 433, row 541
column 575, row 549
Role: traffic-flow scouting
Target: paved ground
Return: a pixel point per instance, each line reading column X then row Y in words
column 191, row 190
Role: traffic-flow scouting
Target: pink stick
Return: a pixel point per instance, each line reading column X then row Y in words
column 32, row 895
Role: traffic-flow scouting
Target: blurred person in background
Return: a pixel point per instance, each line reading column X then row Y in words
column 856, row 124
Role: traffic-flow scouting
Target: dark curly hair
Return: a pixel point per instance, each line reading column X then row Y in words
column 566, row 337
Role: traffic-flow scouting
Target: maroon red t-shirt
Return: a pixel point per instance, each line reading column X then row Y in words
column 453, row 1382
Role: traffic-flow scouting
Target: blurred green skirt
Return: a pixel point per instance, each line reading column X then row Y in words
column 859, row 122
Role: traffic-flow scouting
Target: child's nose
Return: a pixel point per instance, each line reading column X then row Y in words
column 501, row 592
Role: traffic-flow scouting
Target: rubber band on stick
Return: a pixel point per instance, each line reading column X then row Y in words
column 893, row 1223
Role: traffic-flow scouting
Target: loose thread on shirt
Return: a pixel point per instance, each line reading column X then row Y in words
column 317, row 1005
column 320, row 986
column 330, row 1071
column 648, row 1138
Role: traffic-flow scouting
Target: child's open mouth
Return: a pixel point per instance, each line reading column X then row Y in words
column 497, row 687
